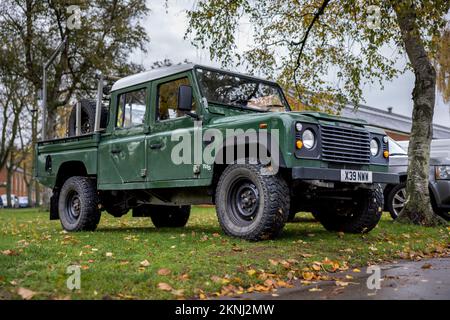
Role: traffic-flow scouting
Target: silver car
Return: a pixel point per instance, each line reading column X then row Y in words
column 395, row 194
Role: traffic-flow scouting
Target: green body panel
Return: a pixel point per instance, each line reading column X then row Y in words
column 125, row 158
column 79, row 149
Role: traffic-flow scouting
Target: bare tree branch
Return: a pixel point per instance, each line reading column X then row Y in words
column 302, row 42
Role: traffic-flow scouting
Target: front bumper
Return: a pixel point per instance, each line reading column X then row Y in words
column 325, row 174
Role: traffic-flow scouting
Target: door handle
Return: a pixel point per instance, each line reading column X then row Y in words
column 154, row 146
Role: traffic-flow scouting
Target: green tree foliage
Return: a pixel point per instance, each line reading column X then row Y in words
column 442, row 62
column 108, row 32
column 344, row 41
column 305, row 43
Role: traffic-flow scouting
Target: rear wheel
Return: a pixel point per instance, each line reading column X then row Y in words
column 291, row 216
column 169, row 216
column 251, row 205
column 443, row 213
column 78, row 205
column 358, row 216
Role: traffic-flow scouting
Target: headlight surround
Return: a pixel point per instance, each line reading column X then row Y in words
column 442, row 172
column 308, row 138
column 374, row 147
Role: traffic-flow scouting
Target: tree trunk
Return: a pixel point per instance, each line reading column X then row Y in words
column 37, row 194
column 418, row 208
column 29, row 193
column 9, row 173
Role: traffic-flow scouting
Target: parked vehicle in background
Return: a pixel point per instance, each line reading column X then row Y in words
column 1, row 203
column 23, row 202
column 436, row 145
column 439, row 185
column 14, row 201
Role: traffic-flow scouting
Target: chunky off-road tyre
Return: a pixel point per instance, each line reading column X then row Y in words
column 359, row 216
column 87, row 117
column 396, row 200
column 251, row 205
column 291, row 216
column 295, row 207
column 78, row 205
column 169, row 216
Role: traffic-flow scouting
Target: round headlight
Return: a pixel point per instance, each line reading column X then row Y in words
column 298, row 126
column 308, row 138
column 374, row 147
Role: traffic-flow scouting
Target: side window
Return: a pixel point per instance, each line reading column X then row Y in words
column 168, row 100
column 131, row 108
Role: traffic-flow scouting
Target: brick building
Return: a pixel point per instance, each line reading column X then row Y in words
column 18, row 186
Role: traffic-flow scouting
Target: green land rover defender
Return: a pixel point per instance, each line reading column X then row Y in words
column 160, row 141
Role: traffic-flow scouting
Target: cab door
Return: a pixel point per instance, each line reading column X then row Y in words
column 122, row 153
column 167, row 124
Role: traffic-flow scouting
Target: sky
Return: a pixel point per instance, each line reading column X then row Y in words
column 166, row 29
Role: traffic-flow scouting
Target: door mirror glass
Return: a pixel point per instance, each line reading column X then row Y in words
column 185, row 98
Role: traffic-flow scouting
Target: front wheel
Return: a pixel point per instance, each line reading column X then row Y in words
column 396, row 200
column 358, row 216
column 78, row 205
column 251, row 205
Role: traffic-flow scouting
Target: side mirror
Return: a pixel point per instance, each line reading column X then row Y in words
column 185, row 98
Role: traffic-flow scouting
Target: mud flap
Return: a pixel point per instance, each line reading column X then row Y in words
column 54, row 214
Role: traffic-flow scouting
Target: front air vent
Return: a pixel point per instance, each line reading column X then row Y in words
column 345, row 145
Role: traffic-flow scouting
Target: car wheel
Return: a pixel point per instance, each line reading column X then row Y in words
column 359, row 216
column 169, row 216
column 78, row 205
column 251, row 205
column 396, row 200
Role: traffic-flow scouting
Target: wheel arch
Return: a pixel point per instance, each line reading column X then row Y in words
column 251, row 140
column 66, row 170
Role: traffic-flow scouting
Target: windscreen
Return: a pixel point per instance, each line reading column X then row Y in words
column 236, row 91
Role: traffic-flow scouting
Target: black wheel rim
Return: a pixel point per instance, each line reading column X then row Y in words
column 243, row 201
column 73, row 206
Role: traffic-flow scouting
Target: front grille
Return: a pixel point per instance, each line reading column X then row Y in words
column 346, row 145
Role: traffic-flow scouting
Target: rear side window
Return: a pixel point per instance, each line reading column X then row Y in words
column 131, row 108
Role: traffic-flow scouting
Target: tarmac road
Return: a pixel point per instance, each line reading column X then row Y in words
column 405, row 280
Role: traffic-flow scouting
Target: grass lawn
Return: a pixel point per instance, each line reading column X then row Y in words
column 127, row 258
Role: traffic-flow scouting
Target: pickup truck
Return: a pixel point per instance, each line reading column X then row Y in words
column 184, row 135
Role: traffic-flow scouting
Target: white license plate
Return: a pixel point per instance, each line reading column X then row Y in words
column 356, row 176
